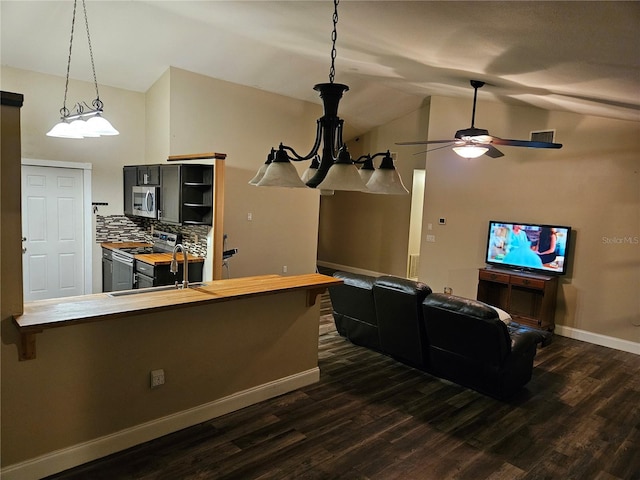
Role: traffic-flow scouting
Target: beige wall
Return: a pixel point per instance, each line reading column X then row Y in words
column 209, row 115
column 369, row 231
column 591, row 184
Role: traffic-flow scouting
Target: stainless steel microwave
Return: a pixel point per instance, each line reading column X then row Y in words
column 145, row 201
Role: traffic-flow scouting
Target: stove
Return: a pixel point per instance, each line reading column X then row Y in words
column 131, row 251
column 163, row 242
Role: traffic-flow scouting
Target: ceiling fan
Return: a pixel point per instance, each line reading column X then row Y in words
column 473, row 142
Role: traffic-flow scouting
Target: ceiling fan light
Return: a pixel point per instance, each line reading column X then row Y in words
column 470, row 151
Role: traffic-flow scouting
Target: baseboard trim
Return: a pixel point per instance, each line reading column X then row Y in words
column 346, row 268
column 598, row 339
column 64, row 459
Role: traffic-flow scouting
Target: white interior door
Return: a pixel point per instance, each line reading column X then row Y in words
column 53, row 229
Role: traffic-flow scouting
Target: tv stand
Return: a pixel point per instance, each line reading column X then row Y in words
column 529, row 298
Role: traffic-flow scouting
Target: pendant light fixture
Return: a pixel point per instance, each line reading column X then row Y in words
column 332, row 167
column 84, row 121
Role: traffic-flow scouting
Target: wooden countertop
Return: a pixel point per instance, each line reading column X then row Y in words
column 155, row 258
column 60, row 312
column 165, row 258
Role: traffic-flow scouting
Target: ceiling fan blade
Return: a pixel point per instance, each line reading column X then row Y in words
column 437, row 148
column 524, row 143
column 424, row 142
column 493, row 152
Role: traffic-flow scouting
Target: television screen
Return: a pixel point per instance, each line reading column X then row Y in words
column 529, row 247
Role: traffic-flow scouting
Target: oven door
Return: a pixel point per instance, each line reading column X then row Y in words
column 145, row 201
column 122, row 278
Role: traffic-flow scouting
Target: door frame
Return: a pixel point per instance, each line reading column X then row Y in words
column 87, row 220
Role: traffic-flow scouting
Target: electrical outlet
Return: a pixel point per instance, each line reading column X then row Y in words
column 284, row 269
column 157, row 378
column 448, row 290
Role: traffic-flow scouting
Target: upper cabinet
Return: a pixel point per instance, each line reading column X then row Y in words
column 185, row 191
column 148, row 174
column 186, row 194
column 130, row 175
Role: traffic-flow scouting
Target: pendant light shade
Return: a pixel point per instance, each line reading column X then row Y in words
column 366, row 170
column 343, row 175
column 386, row 180
column 101, row 126
column 63, row 130
column 258, row 176
column 281, row 173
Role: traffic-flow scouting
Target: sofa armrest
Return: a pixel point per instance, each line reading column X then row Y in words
column 523, row 342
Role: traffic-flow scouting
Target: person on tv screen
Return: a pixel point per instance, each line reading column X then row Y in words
column 520, row 253
column 499, row 241
column 547, row 245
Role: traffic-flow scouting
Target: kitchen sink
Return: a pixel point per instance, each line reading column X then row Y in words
column 122, row 293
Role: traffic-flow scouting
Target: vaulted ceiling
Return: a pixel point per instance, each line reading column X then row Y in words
column 577, row 56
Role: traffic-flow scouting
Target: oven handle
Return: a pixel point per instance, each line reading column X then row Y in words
column 118, row 257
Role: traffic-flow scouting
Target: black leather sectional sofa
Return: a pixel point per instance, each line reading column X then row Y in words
column 455, row 338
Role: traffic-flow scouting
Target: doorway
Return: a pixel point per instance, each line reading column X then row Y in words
column 56, row 229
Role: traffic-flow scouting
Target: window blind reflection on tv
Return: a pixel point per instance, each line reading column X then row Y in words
column 529, row 247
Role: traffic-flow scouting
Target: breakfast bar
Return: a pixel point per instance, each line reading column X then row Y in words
column 60, row 312
column 221, row 345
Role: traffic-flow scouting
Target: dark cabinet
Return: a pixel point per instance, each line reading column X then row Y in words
column 136, row 175
column 169, row 194
column 148, row 175
column 186, row 194
column 107, row 271
column 130, row 175
column 529, row 299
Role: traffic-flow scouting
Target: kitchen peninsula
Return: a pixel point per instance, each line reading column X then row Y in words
column 222, row 346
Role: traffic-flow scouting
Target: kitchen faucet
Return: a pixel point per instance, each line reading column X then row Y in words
column 174, row 265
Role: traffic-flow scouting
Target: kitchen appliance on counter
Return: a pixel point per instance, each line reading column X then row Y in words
column 145, row 201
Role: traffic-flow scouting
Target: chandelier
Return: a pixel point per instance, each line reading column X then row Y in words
column 332, row 167
column 83, row 121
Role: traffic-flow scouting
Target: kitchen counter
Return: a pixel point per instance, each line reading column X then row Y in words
column 60, row 312
column 156, row 258
column 165, row 258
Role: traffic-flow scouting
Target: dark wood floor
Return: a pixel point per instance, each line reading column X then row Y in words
column 371, row 417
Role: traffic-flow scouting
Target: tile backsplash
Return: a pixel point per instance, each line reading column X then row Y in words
column 120, row 228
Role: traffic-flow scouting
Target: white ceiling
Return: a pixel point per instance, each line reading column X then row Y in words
column 582, row 57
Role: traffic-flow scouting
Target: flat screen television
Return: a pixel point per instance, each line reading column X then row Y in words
column 528, row 247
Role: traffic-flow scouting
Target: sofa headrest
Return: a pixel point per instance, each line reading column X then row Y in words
column 403, row 285
column 356, row 279
column 465, row 306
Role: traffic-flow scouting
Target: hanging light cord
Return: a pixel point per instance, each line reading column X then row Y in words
column 334, row 37
column 96, row 103
column 64, row 111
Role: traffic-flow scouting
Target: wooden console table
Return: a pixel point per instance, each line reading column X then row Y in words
column 530, row 299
